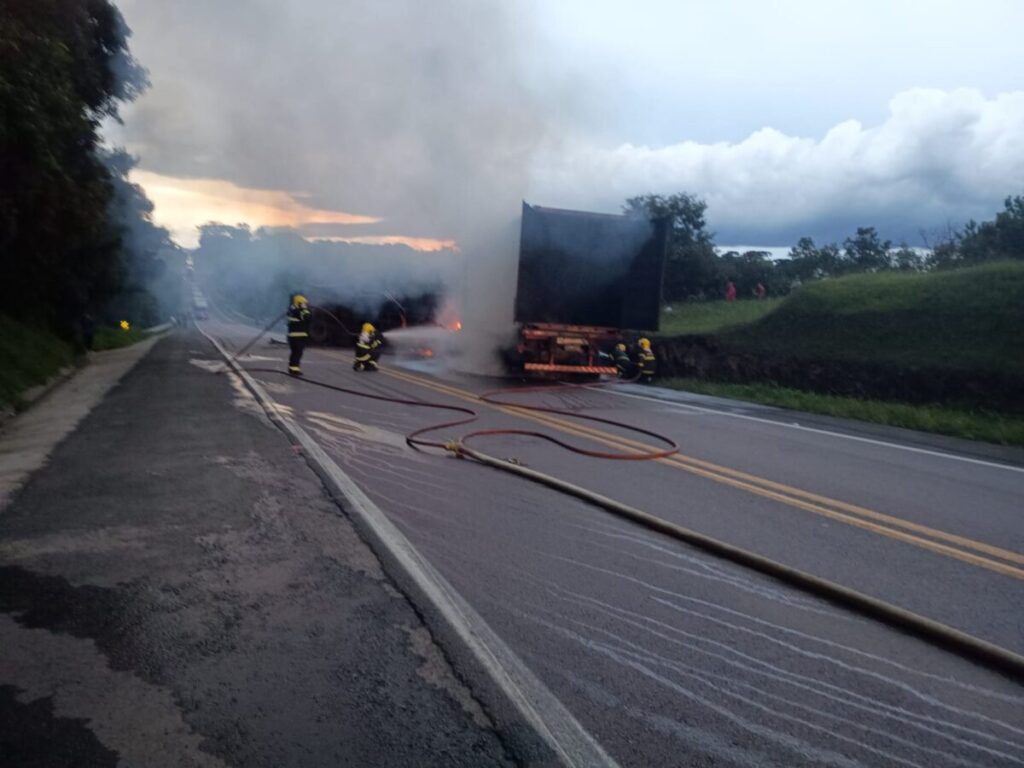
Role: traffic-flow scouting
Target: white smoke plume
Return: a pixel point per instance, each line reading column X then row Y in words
column 414, row 113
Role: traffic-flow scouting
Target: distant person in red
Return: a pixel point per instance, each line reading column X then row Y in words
column 730, row 291
column 760, row 291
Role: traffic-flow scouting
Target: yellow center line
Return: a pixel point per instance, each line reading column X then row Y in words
column 1004, row 554
column 785, row 494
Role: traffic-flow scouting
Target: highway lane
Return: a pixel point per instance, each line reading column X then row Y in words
column 669, row 656
column 970, row 513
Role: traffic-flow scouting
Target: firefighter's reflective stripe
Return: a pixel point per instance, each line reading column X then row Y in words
column 362, row 352
column 648, row 362
column 298, row 334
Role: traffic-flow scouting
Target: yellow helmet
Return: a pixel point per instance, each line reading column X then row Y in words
column 644, row 343
column 368, row 328
column 620, row 347
column 298, row 298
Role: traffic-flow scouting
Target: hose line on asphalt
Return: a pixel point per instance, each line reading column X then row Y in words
column 953, row 639
column 415, row 439
column 961, row 643
column 281, row 317
column 262, row 333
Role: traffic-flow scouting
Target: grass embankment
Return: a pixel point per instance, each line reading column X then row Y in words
column 31, row 355
column 714, row 316
column 115, row 338
column 972, row 424
column 967, row 320
column 28, row 356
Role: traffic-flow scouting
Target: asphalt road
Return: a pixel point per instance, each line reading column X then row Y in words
column 177, row 589
column 670, row 656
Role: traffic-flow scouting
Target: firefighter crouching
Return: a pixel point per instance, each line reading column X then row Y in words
column 298, row 332
column 646, row 361
column 623, row 363
column 367, row 349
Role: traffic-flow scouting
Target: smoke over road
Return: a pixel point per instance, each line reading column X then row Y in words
column 418, row 114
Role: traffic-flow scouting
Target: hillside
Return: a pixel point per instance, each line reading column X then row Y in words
column 29, row 355
column 966, row 319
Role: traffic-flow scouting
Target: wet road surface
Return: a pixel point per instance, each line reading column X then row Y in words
column 670, row 656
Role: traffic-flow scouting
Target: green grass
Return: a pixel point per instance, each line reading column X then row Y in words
column 965, row 319
column 115, row 338
column 709, row 317
column 29, row 355
column 1002, row 428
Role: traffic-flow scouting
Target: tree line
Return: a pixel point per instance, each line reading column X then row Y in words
column 695, row 270
column 77, row 239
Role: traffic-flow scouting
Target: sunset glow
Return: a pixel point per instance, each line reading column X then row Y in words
column 181, row 205
column 416, row 243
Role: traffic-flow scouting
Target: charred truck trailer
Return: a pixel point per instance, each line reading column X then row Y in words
column 335, row 323
column 585, row 281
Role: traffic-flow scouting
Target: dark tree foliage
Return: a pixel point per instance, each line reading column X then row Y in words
column 809, row 262
column 143, row 295
column 865, row 252
column 1001, row 238
column 906, row 259
column 695, row 271
column 64, row 66
column 692, row 265
column 746, row 270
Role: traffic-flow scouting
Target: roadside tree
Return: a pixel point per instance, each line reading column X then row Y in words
column 693, row 268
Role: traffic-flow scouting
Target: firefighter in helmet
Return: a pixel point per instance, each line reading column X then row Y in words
column 623, row 363
column 298, row 332
column 646, row 361
column 367, row 349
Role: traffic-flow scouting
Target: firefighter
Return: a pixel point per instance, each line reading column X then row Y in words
column 298, row 332
column 646, row 361
column 367, row 349
column 623, row 362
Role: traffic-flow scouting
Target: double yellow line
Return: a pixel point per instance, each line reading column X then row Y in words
column 961, row 548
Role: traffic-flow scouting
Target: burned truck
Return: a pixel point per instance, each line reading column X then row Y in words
column 336, row 321
column 587, row 281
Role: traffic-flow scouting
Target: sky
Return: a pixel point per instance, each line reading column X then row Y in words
column 409, row 120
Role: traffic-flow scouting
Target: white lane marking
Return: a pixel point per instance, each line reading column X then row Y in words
column 926, row 451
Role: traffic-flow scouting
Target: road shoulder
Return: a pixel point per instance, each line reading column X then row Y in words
column 176, row 588
column 27, row 439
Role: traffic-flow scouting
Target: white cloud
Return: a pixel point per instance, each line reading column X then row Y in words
column 938, row 155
